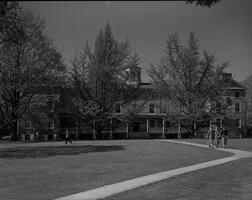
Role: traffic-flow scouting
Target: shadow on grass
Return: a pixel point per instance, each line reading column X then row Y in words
column 44, row 152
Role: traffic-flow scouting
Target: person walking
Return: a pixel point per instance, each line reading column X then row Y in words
column 217, row 136
column 67, row 137
column 211, row 137
column 224, row 136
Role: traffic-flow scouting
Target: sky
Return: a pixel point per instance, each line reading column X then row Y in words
column 225, row 29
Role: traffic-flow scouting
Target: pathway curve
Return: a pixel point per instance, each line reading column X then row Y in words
column 109, row 190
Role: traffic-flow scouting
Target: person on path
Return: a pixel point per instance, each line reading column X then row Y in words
column 217, row 136
column 67, row 137
column 211, row 137
column 224, row 136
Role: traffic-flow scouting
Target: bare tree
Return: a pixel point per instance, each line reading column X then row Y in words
column 205, row 3
column 26, row 62
column 8, row 20
column 190, row 82
column 101, row 78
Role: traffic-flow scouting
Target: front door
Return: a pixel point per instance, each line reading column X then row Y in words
column 136, row 126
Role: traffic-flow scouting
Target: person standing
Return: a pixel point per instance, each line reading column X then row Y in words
column 224, row 136
column 67, row 137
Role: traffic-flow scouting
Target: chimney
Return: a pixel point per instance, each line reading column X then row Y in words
column 227, row 76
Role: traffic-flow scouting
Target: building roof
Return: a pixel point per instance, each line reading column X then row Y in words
column 146, row 85
column 235, row 85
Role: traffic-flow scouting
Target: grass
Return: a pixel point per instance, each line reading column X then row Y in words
column 230, row 181
column 42, row 178
column 49, row 151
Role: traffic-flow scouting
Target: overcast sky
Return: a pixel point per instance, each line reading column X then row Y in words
column 224, row 29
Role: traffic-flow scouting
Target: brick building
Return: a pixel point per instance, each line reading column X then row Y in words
column 143, row 118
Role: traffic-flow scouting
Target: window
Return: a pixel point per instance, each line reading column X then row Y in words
column 152, row 123
column 28, row 125
column 228, row 101
column 238, row 123
column 151, row 108
column 237, row 107
column 167, row 124
column 51, row 124
column 159, row 122
column 50, row 105
column 117, row 108
column 134, row 75
column 237, row 94
column 218, row 106
column 152, row 95
column 218, row 122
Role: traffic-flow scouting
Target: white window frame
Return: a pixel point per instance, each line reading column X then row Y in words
column 239, row 123
column 239, row 107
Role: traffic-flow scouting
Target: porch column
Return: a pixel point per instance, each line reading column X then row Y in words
column 127, row 130
column 94, row 134
column 111, row 129
column 147, row 125
column 194, row 128
column 77, row 128
column 45, row 137
column 179, row 132
column 163, row 130
column 54, row 136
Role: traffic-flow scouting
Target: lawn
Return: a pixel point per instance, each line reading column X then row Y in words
column 51, row 170
column 230, row 181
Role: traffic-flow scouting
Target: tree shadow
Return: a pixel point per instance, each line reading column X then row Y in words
column 49, row 151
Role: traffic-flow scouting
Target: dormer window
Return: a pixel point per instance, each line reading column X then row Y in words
column 117, row 108
column 151, row 108
column 237, row 94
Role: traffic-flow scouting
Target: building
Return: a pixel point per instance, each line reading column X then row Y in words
column 234, row 98
column 143, row 118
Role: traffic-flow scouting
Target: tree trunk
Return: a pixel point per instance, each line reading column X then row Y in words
column 15, row 130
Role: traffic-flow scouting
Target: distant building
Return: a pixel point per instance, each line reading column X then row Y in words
column 234, row 98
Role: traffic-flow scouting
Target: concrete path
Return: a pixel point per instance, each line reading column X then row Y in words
column 116, row 188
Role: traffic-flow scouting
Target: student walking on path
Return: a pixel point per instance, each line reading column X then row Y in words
column 224, row 136
column 217, row 136
column 211, row 137
column 67, row 137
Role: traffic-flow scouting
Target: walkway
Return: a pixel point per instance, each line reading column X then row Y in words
column 109, row 190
